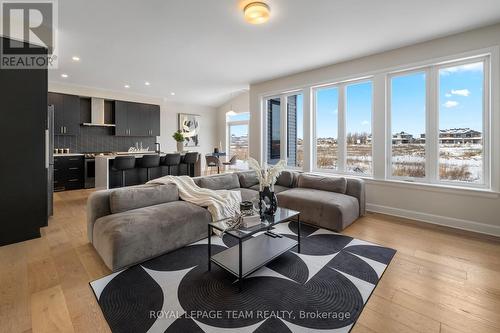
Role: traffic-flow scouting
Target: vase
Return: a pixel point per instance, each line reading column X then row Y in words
column 268, row 203
column 180, row 146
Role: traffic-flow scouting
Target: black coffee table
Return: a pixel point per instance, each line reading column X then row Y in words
column 259, row 250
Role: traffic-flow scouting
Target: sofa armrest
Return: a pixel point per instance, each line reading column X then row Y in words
column 356, row 188
column 97, row 207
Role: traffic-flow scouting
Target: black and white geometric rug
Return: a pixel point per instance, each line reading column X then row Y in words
column 324, row 288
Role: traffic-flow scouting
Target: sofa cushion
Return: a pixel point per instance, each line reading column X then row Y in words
column 277, row 188
column 226, row 181
column 325, row 209
column 331, row 184
column 197, row 180
column 129, row 198
column 286, row 179
column 135, row 236
column 248, row 194
column 248, row 179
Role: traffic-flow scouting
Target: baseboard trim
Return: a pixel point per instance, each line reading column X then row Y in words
column 437, row 219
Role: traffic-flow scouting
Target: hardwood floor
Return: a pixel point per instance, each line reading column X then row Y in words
column 439, row 281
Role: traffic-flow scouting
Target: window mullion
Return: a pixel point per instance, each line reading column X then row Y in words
column 308, row 135
column 432, row 127
column 487, row 117
column 342, row 135
column 284, row 128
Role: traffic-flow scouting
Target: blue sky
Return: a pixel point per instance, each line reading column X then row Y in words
column 460, row 103
column 461, row 97
column 358, row 110
column 239, row 130
column 460, row 100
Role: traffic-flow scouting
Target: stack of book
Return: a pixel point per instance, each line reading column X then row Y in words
column 251, row 220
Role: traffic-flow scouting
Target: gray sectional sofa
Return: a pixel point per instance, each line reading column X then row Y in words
column 133, row 224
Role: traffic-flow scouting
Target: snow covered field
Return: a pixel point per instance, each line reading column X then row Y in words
column 462, row 162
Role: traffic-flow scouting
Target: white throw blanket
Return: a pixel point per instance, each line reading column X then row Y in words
column 222, row 204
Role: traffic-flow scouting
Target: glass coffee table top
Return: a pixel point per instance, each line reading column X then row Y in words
column 281, row 215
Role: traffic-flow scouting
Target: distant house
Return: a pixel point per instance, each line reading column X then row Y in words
column 402, row 138
column 460, row 136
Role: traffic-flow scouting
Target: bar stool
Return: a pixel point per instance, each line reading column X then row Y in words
column 123, row 163
column 148, row 162
column 191, row 159
column 171, row 160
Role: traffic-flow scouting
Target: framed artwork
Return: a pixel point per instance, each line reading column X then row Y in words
column 189, row 125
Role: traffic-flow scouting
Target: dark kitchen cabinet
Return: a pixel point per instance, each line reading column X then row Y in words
column 121, row 118
column 66, row 113
column 137, row 119
column 69, row 173
column 154, row 120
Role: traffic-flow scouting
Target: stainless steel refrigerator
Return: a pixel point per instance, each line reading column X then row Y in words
column 49, row 162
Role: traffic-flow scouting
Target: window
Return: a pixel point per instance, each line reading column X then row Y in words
column 343, row 128
column 273, row 130
column 461, row 110
column 284, row 132
column 432, row 125
column 327, row 109
column 238, row 117
column 295, row 131
column 238, row 141
column 237, row 132
column 408, row 125
column 359, row 128
column 437, row 123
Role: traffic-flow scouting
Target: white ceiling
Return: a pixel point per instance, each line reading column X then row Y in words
column 203, row 50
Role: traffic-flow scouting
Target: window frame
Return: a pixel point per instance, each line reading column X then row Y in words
column 432, row 123
column 342, row 125
column 283, row 97
column 381, row 163
column 228, row 134
column 388, row 160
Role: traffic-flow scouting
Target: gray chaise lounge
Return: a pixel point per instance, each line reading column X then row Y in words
column 131, row 225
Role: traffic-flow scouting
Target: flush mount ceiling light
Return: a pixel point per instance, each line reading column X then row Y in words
column 172, row 93
column 126, row 86
column 257, row 13
column 75, row 58
column 64, row 76
column 147, row 83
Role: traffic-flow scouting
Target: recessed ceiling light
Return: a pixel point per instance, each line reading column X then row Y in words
column 172, row 93
column 257, row 13
column 75, row 58
column 147, row 83
column 65, row 76
column 126, row 86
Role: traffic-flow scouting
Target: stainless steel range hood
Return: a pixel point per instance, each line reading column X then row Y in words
column 97, row 113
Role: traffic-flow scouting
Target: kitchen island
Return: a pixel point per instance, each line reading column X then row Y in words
column 106, row 177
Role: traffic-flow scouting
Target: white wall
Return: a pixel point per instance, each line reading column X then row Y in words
column 169, row 124
column 168, row 115
column 466, row 209
column 239, row 104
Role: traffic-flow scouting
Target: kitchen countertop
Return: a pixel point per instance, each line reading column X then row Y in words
column 136, row 155
column 69, row 155
column 103, row 167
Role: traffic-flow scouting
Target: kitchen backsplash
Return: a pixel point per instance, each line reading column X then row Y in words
column 100, row 139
